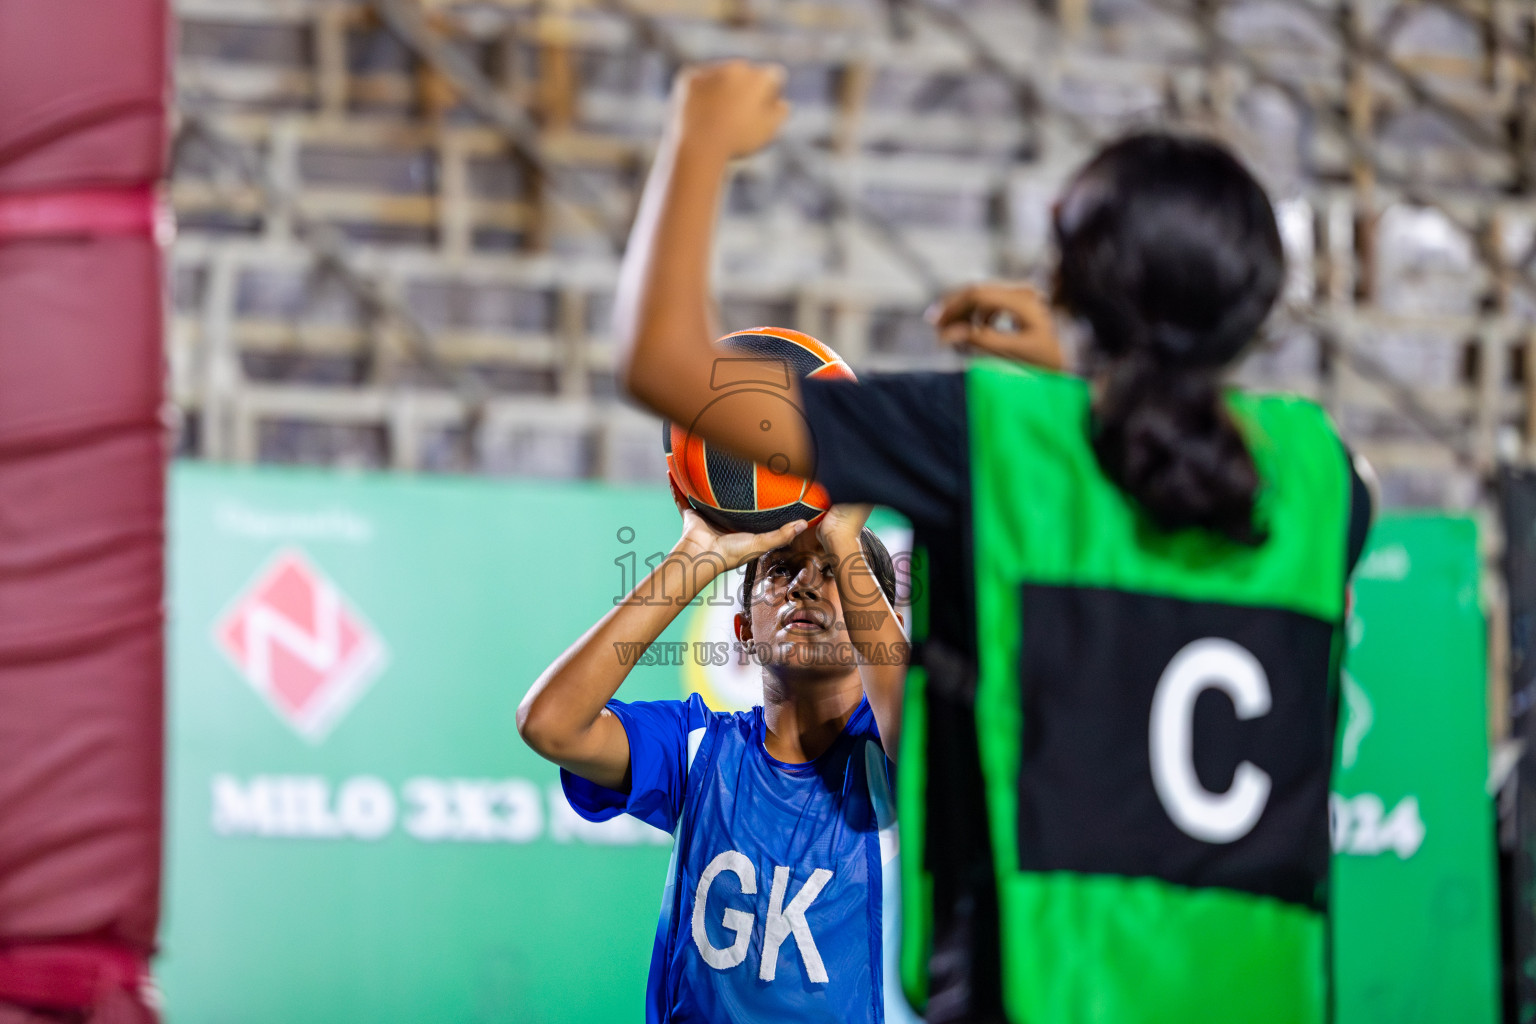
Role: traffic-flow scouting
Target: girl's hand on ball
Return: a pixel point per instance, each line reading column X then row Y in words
column 839, row 528
column 699, row 534
column 701, row 537
column 734, row 105
column 1008, row 320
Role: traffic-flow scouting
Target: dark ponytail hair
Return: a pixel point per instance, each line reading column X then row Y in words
column 1170, row 253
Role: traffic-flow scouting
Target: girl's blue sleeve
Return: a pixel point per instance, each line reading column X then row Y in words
column 658, row 764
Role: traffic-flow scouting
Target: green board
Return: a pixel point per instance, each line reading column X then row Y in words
column 356, row 832
column 1415, row 928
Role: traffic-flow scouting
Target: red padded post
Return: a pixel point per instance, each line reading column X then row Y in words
column 83, row 90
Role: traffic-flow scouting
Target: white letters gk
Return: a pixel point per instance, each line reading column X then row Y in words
column 782, row 921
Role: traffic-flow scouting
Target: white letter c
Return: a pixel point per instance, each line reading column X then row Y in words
column 1209, row 664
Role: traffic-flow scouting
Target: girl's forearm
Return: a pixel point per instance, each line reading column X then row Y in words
column 568, row 698
column 875, row 631
column 662, row 316
column 664, row 324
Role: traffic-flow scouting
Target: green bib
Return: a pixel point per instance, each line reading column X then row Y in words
column 1154, row 720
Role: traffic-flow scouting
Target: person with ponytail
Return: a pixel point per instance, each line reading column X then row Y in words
column 1119, row 716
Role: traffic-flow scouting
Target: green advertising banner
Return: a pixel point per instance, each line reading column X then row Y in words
column 1415, row 921
column 356, row 832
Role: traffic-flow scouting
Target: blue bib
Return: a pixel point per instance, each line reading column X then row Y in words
column 780, row 897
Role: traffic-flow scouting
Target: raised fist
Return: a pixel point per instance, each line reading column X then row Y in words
column 734, row 106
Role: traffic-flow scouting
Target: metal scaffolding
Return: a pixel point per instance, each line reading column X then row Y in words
column 400, row 220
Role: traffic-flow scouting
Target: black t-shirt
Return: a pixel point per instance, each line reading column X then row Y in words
column 902, row 440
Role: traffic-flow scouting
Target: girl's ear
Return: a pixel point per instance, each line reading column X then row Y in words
column 743, row 627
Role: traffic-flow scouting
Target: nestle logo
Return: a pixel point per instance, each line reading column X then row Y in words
column 297, row 641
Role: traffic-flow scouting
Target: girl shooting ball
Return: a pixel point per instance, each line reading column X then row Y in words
column 774, row 906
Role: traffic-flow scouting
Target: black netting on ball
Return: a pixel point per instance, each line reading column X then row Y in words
column 760, row 521
column 801, row 360
column 733, row 480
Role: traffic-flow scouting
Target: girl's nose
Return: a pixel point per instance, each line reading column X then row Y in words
column 807, row 582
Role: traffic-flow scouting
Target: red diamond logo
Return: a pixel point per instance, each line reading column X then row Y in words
column 296, row 639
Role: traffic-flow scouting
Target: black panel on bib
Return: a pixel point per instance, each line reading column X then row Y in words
column 1090, row 667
